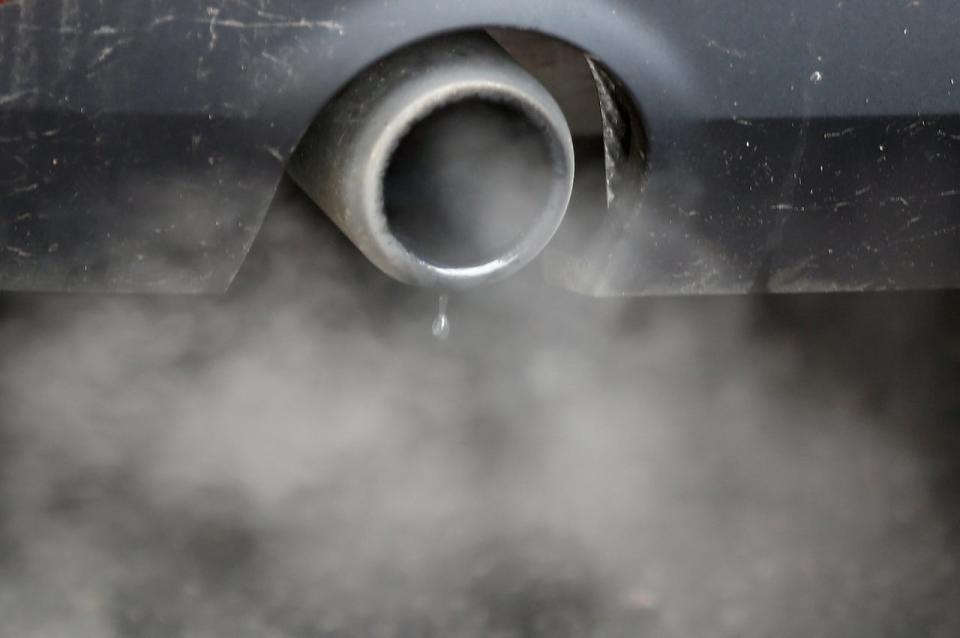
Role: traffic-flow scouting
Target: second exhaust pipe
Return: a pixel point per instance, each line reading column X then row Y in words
column 447, row 164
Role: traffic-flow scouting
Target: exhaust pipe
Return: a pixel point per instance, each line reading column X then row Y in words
column 448, row 165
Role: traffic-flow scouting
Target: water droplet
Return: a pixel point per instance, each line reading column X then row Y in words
column 441, row 325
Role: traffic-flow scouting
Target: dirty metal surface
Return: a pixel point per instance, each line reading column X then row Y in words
column 792, row 146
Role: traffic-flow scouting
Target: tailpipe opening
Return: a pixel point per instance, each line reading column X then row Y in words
column 448, row 165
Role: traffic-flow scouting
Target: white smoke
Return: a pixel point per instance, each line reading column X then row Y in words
column 301, row 458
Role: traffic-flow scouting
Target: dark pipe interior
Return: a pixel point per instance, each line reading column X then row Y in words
column 467, row 182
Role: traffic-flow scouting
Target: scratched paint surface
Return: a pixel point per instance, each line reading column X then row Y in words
column 811, row 147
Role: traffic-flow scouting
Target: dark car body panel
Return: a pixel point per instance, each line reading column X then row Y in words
column 789, row 146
